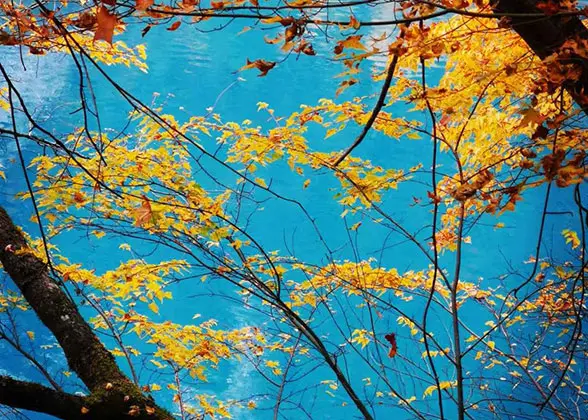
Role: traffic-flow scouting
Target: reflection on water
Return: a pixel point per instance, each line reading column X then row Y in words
column 39, row 79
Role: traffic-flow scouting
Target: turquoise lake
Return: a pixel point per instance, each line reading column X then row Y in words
column 191, row 71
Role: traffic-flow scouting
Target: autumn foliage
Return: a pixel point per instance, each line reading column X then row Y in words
column 494, row 113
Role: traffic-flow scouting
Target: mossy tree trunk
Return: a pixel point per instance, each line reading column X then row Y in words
column 112, row 394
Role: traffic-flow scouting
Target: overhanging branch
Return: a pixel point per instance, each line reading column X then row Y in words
column 36, row 397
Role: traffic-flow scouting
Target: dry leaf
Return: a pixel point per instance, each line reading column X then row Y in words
column 106, row 23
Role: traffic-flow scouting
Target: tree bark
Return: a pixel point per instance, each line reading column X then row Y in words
column 546, row 35
column 36, row 397
column 110, row 390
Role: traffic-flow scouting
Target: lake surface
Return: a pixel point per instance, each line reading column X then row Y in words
column 190, row 71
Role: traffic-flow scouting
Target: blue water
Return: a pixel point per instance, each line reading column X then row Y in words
column 189, row 70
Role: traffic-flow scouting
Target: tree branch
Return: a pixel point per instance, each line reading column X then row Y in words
column 36, row 397
column 375, row 111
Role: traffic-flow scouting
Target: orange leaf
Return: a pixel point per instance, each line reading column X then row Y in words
column 351, row 42
column 217, row 5
column 273, row 40
column 174, row 26
column 79, row 197
column 284, row 21
column 353, row 24
column 143, row 4
column 344, row 85
column 391, row 338
column 261, row 65
column 530, row 116
column 436, row 199
column 143, row 214
column 291, row 32
column 106, row 22
column 305, row 48
column 186, row 4
column 85, row 20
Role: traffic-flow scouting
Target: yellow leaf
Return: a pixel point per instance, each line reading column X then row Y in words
column 331, row 132
column 351, row 42
column 442, row 385
column 31, row 335
column 261, row 182
column 99, row 233
column 306, row 183
column 429, row 390
column 158, row 364
column 571, row 238
column 153, row 306
column 272, row 363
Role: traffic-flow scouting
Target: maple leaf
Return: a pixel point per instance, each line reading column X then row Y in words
column 143, row 214
column 143, row 4
column 530, row 116
column 391, row 338
column 36, row 51
column 106, row 22
column 351, row 42
column 548, row 7
column 262, row 65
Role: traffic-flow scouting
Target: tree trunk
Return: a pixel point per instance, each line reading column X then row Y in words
column 546, row 35
column 85, row 354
